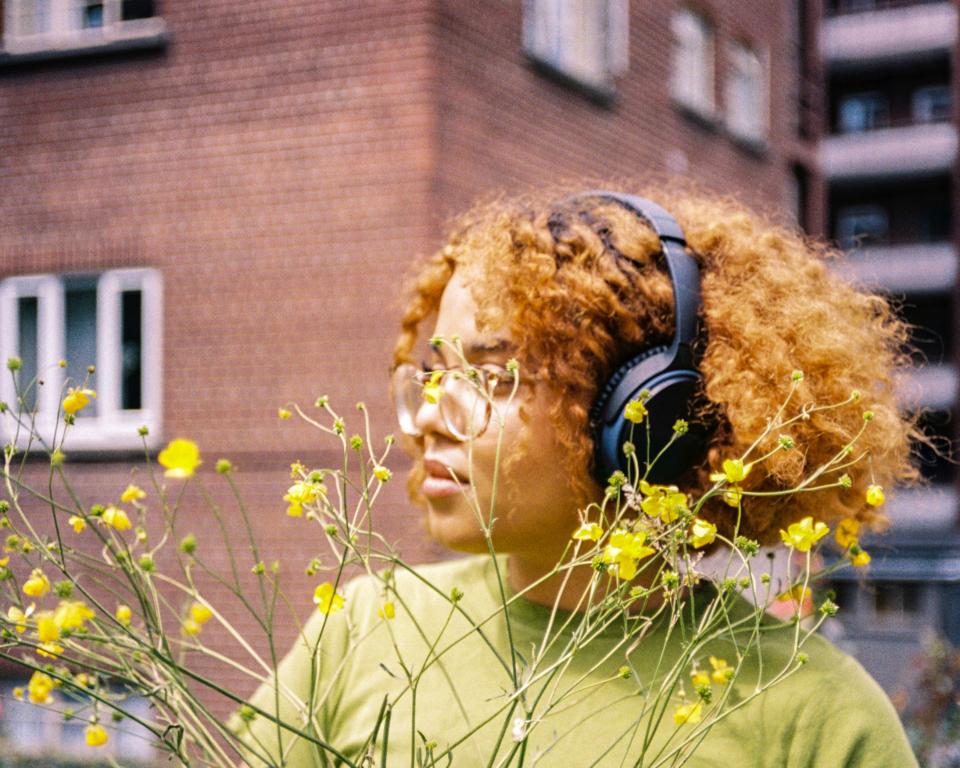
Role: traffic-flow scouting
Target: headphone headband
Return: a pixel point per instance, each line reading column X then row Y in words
column 684, row 273
column 668, row 374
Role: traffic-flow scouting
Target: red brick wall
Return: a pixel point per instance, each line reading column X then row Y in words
column 281, row 163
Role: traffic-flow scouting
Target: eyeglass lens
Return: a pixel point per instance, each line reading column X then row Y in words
column 464, row 410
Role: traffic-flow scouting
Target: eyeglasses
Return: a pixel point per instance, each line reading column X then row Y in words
column 462, row 396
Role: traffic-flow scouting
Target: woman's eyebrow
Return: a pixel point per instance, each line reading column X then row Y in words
column 480, row 347
column 475, row 349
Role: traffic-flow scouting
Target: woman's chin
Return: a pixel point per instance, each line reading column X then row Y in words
column 456, row 531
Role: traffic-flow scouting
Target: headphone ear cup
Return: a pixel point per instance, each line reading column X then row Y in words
column 671, row 393
column 603, row 396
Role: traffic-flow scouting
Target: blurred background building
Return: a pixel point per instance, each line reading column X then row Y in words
column 216, row 203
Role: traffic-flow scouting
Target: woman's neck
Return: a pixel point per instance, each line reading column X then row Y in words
column 568, row 589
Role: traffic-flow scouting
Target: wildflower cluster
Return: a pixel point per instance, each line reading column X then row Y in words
column 644, row 548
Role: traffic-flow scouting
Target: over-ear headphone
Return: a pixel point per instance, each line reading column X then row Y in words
column 668, row 373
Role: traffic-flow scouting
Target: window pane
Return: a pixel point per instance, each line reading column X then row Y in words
column 131, row 343
column 80, row 343
column 27, row 350
column 692, row 76
column 92, row 15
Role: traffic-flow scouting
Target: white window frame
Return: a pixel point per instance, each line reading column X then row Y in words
column 112, row 428
column 66, row 29
column 555, row 34
column 693, row 61
column 747, row 118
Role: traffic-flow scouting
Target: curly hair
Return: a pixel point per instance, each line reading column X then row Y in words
column 583, row 287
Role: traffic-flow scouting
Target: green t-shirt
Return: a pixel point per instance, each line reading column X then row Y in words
column 828, row 713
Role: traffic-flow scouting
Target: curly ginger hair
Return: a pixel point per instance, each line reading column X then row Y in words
column 582, row 288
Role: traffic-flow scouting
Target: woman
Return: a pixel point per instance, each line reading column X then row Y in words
column 571, row 288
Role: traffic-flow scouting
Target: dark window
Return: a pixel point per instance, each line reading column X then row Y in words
column 136, row 9
column 131, row 342
column 860, row 112
column 92, row 15
column 861, row 225
column 932, row 104
column 896, row 599
column 27, row 350
column 80, row 343
column 934, row 458
column 931, row 318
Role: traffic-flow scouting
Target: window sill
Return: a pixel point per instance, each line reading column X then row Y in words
column 603, row 94
column 139, row 35
column 753, row 145
column 93, row 437
column 704, row 116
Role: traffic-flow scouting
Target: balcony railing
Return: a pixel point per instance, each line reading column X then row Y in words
column 914, row 268
column 899, row 34
column 848, row 7
column 917, row 150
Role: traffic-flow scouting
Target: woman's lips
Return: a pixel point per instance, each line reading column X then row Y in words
column 440, row 481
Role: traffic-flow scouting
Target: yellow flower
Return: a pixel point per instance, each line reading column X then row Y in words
column 37, row 585
column 49, row 650
column 19, row 617
column 700, row 679
column 733, row 495
column 190, row 628
column 734, row 471
column 200, row 613
column 588, row 532
column 47, row 629
column 722, row 672
column 77, row 523
column 132, row 493
column 702, row 533
column 623, row 552
column 797, row 593
column 846, row 533
column 803, row 535
column 116, row 518
column 303, row 492
column 96, row 735
column 432, row 391
column 382, row 473
column 181, row 458
column 326, row 598
column 688, row 713
column 875, row 497
column 283, row 413
column 18, row 693
column 71, row 614
column 635, row 411
column 39, row 688
column 124, row 614
column 663, row 501
column 77, row 399
column 387, row 611
column 860, row 559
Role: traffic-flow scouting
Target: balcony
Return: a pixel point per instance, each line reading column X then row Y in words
column 933, row 507
column 916, row 268
column 890, row 153
column 892, row 34
column 932, row 387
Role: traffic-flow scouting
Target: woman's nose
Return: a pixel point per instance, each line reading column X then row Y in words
column 428, row 419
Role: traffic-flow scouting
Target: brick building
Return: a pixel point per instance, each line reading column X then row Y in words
column 216, row 202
